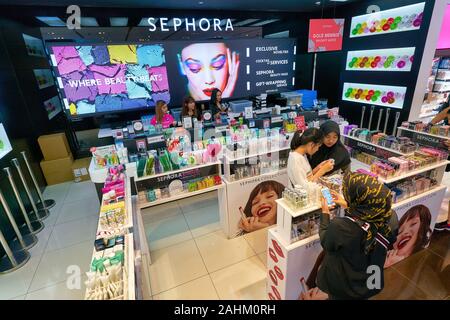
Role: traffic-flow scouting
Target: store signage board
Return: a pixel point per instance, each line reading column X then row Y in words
column 189, row 24
column 370, row 149
column 424, row 139
column 163, row 181
column 5, row 145
column 325, row 35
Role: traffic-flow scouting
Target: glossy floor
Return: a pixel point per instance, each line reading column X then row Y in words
column 191, row 257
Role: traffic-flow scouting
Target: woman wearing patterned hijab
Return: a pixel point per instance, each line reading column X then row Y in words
column 357, row 241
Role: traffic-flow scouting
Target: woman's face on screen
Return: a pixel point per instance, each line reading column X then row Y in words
column 206, row 67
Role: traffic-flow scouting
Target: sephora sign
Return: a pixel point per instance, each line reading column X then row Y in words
column 190, row 24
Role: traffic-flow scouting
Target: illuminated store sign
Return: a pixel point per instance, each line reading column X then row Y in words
column 189, row 24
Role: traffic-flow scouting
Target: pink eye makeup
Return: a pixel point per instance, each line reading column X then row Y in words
column 218, row 62
column 193, row 65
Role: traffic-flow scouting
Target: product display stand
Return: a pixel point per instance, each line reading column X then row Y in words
column 164, row 179
column 40, row 214
column 236, row 192
column 42, row 204
column 372, row 109
column 397, row 116
column 31, row 226
column 362, row 117
column 22, row 241
column 388, row 111
column 13, row 260
column 379, row 119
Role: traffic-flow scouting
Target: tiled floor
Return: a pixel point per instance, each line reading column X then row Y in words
column 191, row 257
column 66, row 241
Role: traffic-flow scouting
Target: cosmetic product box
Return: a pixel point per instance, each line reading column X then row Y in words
column 405, row 124
column 348, row 128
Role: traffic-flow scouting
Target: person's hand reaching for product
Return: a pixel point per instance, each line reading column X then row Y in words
column 392, row 258
column 339, row 199
column 327, row 165
column 233, row 72
column 313, row 294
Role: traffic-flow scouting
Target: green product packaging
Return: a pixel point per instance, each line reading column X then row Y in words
column 150, row 166
column 141, row 167
column 174, row 157
column 165, row 161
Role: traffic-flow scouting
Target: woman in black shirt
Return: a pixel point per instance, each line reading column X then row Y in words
column 357, row 241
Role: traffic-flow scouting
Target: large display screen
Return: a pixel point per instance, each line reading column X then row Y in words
column 98, row 79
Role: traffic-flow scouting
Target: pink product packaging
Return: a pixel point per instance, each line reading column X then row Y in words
column 372, row 174
column 403, row 164
column 111, row 184
column 118, row 189
column 432, row 152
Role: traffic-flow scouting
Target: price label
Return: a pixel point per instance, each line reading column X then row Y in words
column 221, row 128
column 323, row 112
column 155, row 139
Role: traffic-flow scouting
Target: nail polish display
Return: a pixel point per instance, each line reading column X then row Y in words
column 394, row 20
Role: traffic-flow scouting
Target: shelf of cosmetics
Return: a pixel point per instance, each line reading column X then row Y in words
column 112, row 262
column 254, row 142
column 109, row 275
column 397, row 168
column 256, row 167
column 108, row 156
column 241, row 143
column 179, row 189
column 440, row 131
column 299, row 198
column 376, row 138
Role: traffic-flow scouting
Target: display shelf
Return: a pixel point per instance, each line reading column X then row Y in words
column 129, row 288
column 231, row 159
column 414, row 172
column 416, row 197
column 377, row 146
column 396, row 59
column 381, row 95
column 424, row 133
column 128, row 274
column 178, row 171
column 297, row 213
column 228, row 182
column 179, row 196
column 407, row 18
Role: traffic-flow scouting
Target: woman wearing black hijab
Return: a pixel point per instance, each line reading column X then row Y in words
column 332, row 148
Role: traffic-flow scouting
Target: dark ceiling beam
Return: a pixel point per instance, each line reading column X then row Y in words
column 103, row 21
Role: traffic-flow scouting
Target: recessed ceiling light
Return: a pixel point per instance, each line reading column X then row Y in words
column 318, row 3
column 201, row 2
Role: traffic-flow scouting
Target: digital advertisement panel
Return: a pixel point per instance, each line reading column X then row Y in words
column 105, row 78
column 97, row 79
column 239, row 68
column 325, row 35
